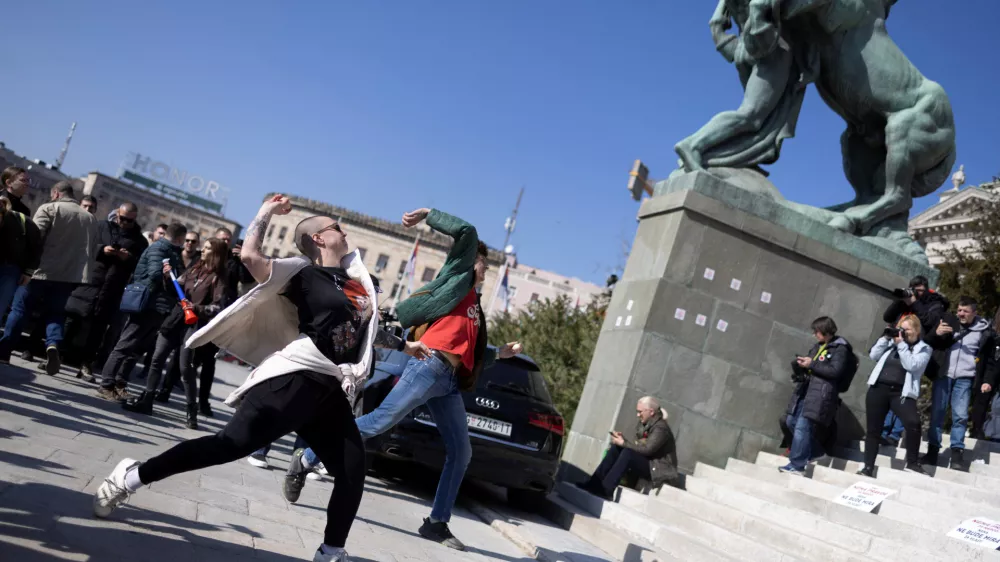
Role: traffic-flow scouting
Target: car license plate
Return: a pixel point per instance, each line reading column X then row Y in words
column 489, row 425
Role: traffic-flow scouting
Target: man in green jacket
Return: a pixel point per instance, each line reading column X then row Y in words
column 446, row 316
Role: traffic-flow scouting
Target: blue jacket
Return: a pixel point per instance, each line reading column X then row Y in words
column 914, row 360
column 149, row 272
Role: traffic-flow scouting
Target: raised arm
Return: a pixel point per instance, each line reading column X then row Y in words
column 251, row 255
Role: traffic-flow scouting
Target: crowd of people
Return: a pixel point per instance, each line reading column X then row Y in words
column 956, row 352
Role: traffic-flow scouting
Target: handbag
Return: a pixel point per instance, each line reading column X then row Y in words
column 135, row 299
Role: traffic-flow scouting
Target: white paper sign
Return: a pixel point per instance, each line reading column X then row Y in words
column 680, row 313
column 722, row 326
column 629, row 305
column 700, row 320
column 864, row 496
column 765, row 297
column 709, row 273
column 618, row 321
column 979, row 531
column 628, row 320
column 735, row 284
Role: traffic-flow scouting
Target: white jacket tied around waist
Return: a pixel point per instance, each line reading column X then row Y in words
column 262, row 328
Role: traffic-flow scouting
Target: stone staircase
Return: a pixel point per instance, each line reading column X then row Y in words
column 750, row 511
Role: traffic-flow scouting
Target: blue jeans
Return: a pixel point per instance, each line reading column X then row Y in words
column 299, row 442
column 804, row 443
column 431, row 382
column 893, row 427
column 958, row 392
column 9, row 276
column 51, row 296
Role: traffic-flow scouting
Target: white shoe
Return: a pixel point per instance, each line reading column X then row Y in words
column 258, row 461
column 317, row 472
column 113, row 492
column 321, row 556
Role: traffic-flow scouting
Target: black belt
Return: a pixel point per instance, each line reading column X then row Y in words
column 890, row 386
column 443, row 358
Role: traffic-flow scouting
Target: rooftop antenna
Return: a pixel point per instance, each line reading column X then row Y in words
column 65, row 148
column 511, row 221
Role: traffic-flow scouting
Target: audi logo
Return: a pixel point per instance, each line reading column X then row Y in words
column 487, row 403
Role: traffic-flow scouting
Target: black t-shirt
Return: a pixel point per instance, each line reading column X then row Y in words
column 892, row 370
column 333, row 310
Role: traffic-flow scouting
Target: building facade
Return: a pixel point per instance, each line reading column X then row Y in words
column 43, row 177
column 154, row 208
column 946, row 226
column 386, row 246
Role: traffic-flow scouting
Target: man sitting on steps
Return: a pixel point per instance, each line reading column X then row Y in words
column 651, row 456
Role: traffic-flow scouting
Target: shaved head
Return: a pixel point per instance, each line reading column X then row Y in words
column 304, row 231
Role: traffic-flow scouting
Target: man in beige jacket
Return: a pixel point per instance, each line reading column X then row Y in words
column 69, row 241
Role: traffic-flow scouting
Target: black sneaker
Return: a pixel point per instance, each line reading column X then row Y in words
column 915, row 467
column 931, row 457
column 958, row 461
column 28, row 356
column 205, row 409
column 868, row 471
column 295, row 477
column 439, row 533
column 53, row 361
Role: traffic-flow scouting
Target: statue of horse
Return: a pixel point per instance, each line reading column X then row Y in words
column 900, row 136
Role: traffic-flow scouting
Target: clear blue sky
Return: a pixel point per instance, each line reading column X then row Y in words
column 383, row 106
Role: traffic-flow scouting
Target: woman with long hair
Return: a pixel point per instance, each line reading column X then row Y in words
column 20, row 249
column 204, row 286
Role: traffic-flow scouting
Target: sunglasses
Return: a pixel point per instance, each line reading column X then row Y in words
column 190, row 241
column 334, row 226
column 125, row 219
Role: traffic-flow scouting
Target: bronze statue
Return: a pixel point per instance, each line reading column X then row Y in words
column 900, row 136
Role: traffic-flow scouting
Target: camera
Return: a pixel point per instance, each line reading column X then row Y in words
column 891, row 332
column 799, row 373
column 903, row 293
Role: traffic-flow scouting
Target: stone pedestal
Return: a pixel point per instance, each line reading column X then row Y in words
column 714, row 304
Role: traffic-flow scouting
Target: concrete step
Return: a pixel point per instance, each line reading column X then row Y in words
column 856, row 458
column 606, row 536
column 891, row 539
column 642, row 528
column 895, row 476
column 679, row 507
column 977, row 445
column 989, row 467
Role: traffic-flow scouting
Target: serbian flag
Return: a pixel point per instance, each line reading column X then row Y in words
column 411, row 269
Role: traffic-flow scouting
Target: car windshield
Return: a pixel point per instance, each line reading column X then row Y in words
column 518, row 376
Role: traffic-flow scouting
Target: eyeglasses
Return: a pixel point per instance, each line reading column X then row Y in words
column 334, row 226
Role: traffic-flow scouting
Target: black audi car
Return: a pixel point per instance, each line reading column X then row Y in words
column 515, row 430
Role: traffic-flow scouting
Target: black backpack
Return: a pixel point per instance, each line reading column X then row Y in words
column 851, row 369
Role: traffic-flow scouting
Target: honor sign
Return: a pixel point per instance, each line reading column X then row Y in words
column 174, row 182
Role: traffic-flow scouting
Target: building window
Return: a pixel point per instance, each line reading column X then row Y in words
column 534, row 297
column 402, row 270
column 395, row 290
column 383, row 261
column 362, row 252
column 282, row 233
column 428, row 275
column 275, row 252
column 511, row 291
column 270, row 231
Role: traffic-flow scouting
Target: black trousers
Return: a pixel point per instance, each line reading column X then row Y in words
column 270, row 410
column 186, row 363
column 878, row 402
column 617, row 463
column 979, row 410
column 139, row 331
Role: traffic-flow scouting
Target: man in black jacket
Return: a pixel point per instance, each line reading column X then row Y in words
column 121, row 244
column 19, row 254
column 652, row 455
column 14, row 184
column 143, row 326
column 814, row 404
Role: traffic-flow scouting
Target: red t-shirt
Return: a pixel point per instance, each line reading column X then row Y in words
column 456, row 332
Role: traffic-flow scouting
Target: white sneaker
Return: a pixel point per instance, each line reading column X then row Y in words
column 258, row 461
column 340, row 556
column 113, row 492
column 317, row 472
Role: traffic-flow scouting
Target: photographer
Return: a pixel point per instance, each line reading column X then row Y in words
column 895, row 385
column 814, row 404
